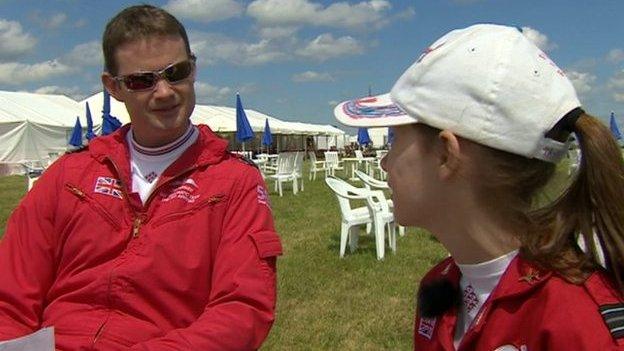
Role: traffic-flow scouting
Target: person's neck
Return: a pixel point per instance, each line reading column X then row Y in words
column 476, row 235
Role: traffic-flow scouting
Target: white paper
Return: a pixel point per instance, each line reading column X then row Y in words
column 41, row 340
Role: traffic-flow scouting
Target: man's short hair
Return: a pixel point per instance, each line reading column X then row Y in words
column 136, row 23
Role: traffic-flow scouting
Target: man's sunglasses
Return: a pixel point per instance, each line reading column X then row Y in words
column 173, row 74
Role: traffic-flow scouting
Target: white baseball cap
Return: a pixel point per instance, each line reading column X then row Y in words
column 486, row 83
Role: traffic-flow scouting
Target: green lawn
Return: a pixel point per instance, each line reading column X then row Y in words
column 328, row 303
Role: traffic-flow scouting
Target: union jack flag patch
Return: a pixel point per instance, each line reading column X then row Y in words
column 426, row 327
column 108, row 186
column 263, row 196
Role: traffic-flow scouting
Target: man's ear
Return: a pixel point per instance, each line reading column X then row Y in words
column 112, row 86
column 449, row 154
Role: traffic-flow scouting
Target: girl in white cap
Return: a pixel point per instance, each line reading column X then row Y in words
column 480, row 121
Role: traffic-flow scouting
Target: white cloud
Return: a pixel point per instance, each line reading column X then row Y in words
column 311, row 76
column 539, row 39
column 582, row 82
column 80, row 23
column 214, row 48
column 13, row 41
column 210, row 94
column 325, row 47
column 85, row 54
column 365, row 14
column 277, row 32
column 13, row 73
column 615, row 56
column 408, row 13
column 616, row 84
column 205, row 10
column 72, row 92
column 55, row 21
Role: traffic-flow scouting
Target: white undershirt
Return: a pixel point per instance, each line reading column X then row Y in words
column 477, row 282
column 147, row 164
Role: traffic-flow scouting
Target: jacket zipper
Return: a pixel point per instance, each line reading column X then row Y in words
column 137, row 220
column 98, row 208
column 211, row 200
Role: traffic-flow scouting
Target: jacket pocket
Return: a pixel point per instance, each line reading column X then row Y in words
column 95, row 206
column 210, row 201
column 267, row 243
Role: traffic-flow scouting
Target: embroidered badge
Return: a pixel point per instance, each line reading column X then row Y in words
column 531, row 277
column 470, row 298
column 183, row 190
column 426, row 327
column 108, row 186
column 151, row 177
column 263, row 196
column 613, row 315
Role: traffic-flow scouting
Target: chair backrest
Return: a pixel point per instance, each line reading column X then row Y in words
column 298, row 163
column 286, row 163
column 341, row 190
column 331, row 158
column 359, row 155
column 371, row 182
column 312, row 156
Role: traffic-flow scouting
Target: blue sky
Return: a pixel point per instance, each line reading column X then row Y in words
column 295, row 59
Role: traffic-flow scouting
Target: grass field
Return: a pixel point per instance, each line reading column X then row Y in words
column 324, row 302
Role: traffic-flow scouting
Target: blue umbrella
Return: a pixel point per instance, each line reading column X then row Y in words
column 243, row 129
column 109, row 123
column 390, row 135
column 76, row 136
column 267, row 138
column 614, row 128
column 363, row 138
column 90, row 135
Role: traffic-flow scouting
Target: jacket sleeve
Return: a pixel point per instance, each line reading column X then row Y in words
column 241, row 308
column 27, row 259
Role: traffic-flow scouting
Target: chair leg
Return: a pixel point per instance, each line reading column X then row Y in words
column 354, row 235
column 344, row 233
column 279, row 185
column 295, row 185
column 369, row 227
column 379, row 240
column 401, row 230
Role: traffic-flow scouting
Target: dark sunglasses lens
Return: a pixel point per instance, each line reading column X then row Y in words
column 140, row 81
column 178, row 72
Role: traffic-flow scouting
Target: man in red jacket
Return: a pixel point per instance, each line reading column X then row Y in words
column 153, row 238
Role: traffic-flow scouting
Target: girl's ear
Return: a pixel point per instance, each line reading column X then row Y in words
column 449, row 157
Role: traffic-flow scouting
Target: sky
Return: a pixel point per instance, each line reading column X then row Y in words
column 296, row 59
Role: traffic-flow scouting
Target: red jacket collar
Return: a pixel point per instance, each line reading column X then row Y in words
column 208, row 149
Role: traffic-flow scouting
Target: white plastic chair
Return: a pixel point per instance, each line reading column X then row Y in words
column 376, row 210
column 372, row 183
column 285, row 171
column 299, row 168
column 33, row 170
column 315, row 166
column 332, row 163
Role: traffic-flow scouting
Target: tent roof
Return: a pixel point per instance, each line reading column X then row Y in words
column 220, row 118
column 54, row 110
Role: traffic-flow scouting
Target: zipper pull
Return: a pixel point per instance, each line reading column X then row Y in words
column 76, row 191
column 135, row 227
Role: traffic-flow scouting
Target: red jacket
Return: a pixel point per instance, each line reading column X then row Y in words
column 193, row 269
column 529, row 310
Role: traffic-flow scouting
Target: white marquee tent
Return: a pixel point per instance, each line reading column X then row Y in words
column 222, row 119
column 36, row 126
column 33, row 126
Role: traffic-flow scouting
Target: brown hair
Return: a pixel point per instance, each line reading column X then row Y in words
column 592, row 203
column 135, row 23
